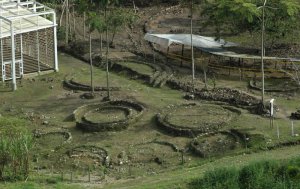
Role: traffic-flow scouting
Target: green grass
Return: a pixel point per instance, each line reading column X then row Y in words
column 105, row 115
column 37, row 99
column 262, row 174
column 140, row 68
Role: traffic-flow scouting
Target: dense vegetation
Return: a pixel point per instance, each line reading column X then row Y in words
column 15, row 145
column 281, row 17
column 264, row 174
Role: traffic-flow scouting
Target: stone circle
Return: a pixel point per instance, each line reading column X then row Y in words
column 107, row 116
column 192, row 119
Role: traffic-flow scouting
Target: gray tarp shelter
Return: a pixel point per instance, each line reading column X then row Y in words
column 206, row 44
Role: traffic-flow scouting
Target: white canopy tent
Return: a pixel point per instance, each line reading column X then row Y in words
column 207, row 44
column 166, row 40
column 27, row 31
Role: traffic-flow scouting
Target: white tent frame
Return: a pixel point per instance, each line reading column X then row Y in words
column 22, row 16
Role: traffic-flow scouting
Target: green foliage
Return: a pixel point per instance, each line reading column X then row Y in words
column 96, row 21
column 246, row 15
column 220, row 179
column 119, row 17
column 264, row 174
column 15, row 145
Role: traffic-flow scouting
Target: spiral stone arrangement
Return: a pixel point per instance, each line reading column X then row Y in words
column 192, row 119
column 107, row 116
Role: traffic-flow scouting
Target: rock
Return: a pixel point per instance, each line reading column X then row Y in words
column 158, row 160
column 45, row 122
column 87, row 96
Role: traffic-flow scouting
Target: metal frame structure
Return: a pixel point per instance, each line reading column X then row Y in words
column 20, row 18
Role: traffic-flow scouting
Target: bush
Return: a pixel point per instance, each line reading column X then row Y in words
column 258, row 175
column 15, row 145
column 217, row 179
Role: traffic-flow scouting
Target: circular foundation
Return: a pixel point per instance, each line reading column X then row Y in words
column 52, row 139
column 275, row 85
column 192, row 119
column 215, row 144
column 158, row 153
column 89, row 155
column 108, row 116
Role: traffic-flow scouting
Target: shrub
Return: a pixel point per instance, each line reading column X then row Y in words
column 217, row 179
column 15, row 145
column 258, row 175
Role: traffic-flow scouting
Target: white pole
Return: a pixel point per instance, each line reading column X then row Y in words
column 2, row 69
column 21, row 63
column 55, row 43
column 13, row 61
column 38, row 51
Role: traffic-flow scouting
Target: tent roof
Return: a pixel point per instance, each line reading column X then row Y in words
column 207, row 44
column 24, row 15
column 166, row 40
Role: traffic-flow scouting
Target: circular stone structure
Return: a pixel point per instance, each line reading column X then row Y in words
column 157, row 152
column 52, row 139
column 215, row 144
column 107, row 116
column 75, row 85
column 89, row 154
column 275, row 85
column 192, row 119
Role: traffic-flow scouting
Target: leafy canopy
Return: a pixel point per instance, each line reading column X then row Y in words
column 246, row 15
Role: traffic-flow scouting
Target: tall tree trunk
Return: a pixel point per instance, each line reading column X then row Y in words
column 134, row 7
column 106, row 61
column 84, row 18
column 192, row 49
column 101, row 43
column 62, row 12
column 91, row 62
column 112, row 38
column 74, row 22
column 67, row 23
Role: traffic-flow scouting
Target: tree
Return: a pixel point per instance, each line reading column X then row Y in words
column 105, row 4
column 118, row 19
column 93, row 24
column 243, row 15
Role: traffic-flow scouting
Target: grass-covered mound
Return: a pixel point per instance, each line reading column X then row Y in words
column 258, row 175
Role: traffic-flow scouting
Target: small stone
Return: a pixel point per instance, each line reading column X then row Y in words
column 45, row 122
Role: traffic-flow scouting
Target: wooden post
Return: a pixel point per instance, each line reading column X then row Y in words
column 182, row 51
column 168, row 53
column 293, row 133
column 62, row 176
column 84, row 17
